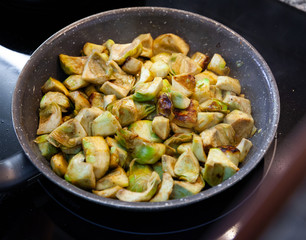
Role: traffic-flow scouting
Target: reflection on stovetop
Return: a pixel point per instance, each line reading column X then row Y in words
column 276, row 30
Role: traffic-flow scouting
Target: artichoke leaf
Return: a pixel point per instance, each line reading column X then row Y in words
column 227, row 83
column 214, row 105
column 179, row 100
column 198, row 148
column 182, row 64
column 107, row 193
column 168, row 163
column 165, row 189
column 89, row 48
column 47, row 149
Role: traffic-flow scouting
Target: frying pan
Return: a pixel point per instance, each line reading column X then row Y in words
column 123, row 25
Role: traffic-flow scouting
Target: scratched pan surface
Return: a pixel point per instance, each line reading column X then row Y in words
column 123, row 25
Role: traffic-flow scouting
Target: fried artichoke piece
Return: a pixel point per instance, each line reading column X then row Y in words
column 157, row 167
column 90, row 48
column 168, row 164
column 184, row 83
column 169, row 43
column 184, row 189
column 96, row 69
column 144, row 109
column 207, row 120
column 105, row 124
column 116, row 177
column 91, row 88
column 125, row 111
column 75, row 82
column 72, row 150
column 72, row 65
column 214, row 105
column 159, row 69
column 242, row 124
column 108, row 193
column 218, row 167
column 148, row 153
column 183, row 147
column 244, row 147
column 47, row 149
column 182, row 64
column 186, row 117
column 232, row 153
column 198, row 149
column 212, row 77
column 187, row 167
column 138, row 176
column 165, row 57
column 96, row 99
column 145, row 74
column 55, row 97
column 111, row 88
column 132, row 65
column 53, row 85
column 229, row 84
column 179, row 100
column 218, row 65
column 165, row 189
column 174, row 141
column 202, row 91
column 161, row 126
column 144, row 129
column 108, row 99
column 146, row 41
column 127, row 139
column 164, row 106
column 69, row 134
column 177, row 129
column 129, row 196
column 118, row 157
column 201, row 59
column 148, row 91
column 239, row 103
column 80, row 173
column 50, row 117
column 218, row 135
column 96, row 153
column 86, row 117
column 80, row 100
column 59, row 164
column 120, row 52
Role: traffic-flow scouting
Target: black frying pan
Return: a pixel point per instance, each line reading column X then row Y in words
column 123, row 25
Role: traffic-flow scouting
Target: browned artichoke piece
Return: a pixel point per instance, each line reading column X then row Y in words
column 164, row 106
column 147, row 45
column 89, row 48
column 55, row 97
column 201, row 59
column 96, row 99
column 182, row 64
column 187, row 117
column 170, row 43
column 54, row 85
column 132, row 66
column 50, row 117
column 79, row 99
column 232, row 153
column 59, row 164
column 184, row 83
column 116, row 177
column 72, row 65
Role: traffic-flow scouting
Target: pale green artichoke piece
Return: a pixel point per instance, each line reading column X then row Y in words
column 129, row 196
column 184, row 83
column 232, row 153
column 55, row 97
column 144, row 109
column 148, row 91
column 59, row 164
column 201, row 59
column 165, row 189
column 161, row 127
column 90, row 48
column 218, row 167
column 47, row 149
column 143, row 128
column 182, row 64
column 97, row 153
column 72, row 65
column 187, row 167
column 71, row 150
column 168, row 163
column 108, row 193
column 227, row 83
column 198, row 149
column 169, row 43
column 50, row 117
column 53, row 85
column 218, row 135
column 179, row 100
column 212, row 77
column 186, row 118
column 214, row 105
column 80, row 100
column 69, row 134
column 105, row 124
column 159, row 69
column 202, row 91
column 118, row 157
column 218, row 65
column 96, row 99
column 242, row 124
column 207, row 120
column 120, row 52
column 148, row 153
column 146, row 41
column 145, row 74
column 96, row 69
column 108, row 99
column 132, row 66
column 127, row 139
column 244, row 147
column 239, row 103
column 175, row 140
column 138, row 176
column 116, row 177
column 75, row 82
column 183, row 147
column 86, row 117
column 157, row 167
column 80, row 173
column 110, row 88
column 184, row 189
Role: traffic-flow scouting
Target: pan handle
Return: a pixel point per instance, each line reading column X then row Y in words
column 15, row 168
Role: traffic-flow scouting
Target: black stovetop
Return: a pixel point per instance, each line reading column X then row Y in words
column 276, row 30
